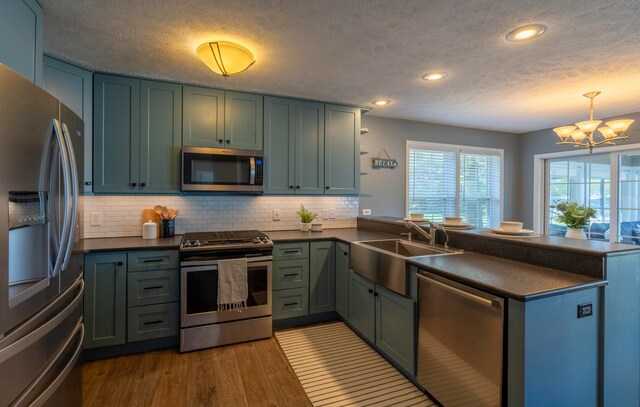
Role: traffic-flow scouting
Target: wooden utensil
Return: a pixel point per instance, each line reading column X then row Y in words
column 175, row 214
column 165, row 213
column 158, row 209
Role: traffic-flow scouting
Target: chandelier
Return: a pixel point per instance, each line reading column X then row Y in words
column 583, row 134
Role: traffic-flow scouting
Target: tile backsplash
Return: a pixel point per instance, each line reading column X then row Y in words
column 122, row 215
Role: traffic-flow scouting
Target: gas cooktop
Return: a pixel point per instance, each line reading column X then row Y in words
column 226, row 240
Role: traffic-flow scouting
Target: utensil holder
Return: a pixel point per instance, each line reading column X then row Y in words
column 167, row 227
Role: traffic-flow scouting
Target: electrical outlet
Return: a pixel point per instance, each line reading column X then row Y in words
column 366, row 212
column 332, row 213
column 96, row 218
column 276, row 214
column 325, row 214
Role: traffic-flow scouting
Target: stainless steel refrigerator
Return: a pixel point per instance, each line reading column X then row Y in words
column 41, row 285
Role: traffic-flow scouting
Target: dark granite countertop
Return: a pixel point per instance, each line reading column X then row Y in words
column 345, row 235
column 109, row 244
column 520, row 281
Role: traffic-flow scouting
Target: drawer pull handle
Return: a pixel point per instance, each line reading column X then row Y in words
column 291, row 275
column 288, row 304
column 153, row 287
column 153, row 261
column 154, row 322
column 291, row 251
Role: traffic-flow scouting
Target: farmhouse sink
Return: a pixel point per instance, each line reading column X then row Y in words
column 384, row 261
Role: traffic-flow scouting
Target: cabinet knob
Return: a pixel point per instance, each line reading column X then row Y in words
column 345, row 253
column 297, row 186
column 120, row 263
column 375, row 294
column 133, row 184
column 370, row 290
column 220, row 141
column 142, row 184
column 327, row 187
column 87, row 182
column 290, row 186
column 228, row 140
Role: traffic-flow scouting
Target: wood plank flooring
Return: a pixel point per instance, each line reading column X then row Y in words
column 248, row 374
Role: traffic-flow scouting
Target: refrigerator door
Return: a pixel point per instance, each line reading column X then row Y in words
column 27, row 283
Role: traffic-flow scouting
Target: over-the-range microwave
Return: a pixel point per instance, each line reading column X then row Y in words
column 222, row 170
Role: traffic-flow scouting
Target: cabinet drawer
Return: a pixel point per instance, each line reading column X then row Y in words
column 290, row 303
column 152, row 260
column 152, row 321
column 291, row 251
column 152, row 287
column 290, row 274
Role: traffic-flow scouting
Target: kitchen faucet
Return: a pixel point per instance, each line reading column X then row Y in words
column 431, row 236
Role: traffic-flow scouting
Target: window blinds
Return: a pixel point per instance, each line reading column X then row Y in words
column 480, row 189
column 432, row 183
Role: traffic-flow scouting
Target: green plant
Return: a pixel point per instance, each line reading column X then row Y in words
column 573, row 215
column 305, row 215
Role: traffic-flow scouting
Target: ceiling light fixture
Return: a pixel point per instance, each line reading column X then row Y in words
column 526, row 32
column 434, row 76
column 225, row 58
column 584, row 135
column 381, row 102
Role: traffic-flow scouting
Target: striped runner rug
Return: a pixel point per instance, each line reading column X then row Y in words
column 337, row 368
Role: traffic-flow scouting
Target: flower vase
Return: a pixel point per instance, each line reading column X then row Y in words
column 575, row 233
column 305, row 227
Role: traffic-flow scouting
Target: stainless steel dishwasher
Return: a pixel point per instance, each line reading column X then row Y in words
column 460, row 338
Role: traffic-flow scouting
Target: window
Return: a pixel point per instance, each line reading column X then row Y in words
column 448, row 180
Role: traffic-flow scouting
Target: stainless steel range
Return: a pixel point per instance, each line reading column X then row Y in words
column 202, row 324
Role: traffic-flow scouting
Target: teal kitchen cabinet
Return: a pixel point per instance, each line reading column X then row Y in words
column 294, row 146
column 385, row 318
column 342, row 279
column 137, row 135
column 105, row 299
column 202, row 117
column 290, row 280
column 321, row 277
column 342, row 150
column 73, row 86
column 243, row 121
column 21, row 37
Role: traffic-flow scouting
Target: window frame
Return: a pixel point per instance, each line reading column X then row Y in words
column 458, row 149
column 540, row 183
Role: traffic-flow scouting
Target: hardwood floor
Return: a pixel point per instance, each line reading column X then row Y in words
column 248, row 374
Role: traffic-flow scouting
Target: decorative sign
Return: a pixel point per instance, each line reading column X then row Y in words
column 382, row 162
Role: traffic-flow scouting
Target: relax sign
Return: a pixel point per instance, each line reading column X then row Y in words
column 381, row 162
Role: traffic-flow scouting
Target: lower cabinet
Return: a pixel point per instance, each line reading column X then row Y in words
column 385, row 318
column 303, row 278
column 342, row 279
column 131, row 297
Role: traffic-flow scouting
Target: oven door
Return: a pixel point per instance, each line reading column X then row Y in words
column 218, row 169
column 199, row 293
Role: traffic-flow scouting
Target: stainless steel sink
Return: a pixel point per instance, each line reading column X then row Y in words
column 384, row 261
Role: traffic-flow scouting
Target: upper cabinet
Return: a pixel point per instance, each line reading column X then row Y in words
column 342, row 150
column 137, row 135
column 294, row 146
column 215, row 118
column 21, row 37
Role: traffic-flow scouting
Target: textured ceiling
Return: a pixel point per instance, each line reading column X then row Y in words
column 353, row 51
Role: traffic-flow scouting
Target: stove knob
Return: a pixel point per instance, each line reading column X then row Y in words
column 197, row 243
column 265, row 240
column 256, row 240
column 186, row 244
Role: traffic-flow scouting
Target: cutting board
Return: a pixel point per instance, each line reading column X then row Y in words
column 150, row 214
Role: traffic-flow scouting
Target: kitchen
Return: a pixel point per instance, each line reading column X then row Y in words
column 131, row 74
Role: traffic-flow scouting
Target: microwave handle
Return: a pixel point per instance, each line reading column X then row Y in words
column 252, row 172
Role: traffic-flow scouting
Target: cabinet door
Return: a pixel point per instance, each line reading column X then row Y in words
column 202, row 117
column 342, row 280
column 21, row 37
column 395, row 327
column 279, row 145
column 160, row 137
column 116, row 149
column 105, row 299
column 310, row 148
column 362, row 305
column 342, row 150
column 243, row 119
column 322, row 277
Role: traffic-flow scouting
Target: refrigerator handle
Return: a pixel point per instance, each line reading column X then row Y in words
column 74, row 195
column 67, row 204
column 78, row 330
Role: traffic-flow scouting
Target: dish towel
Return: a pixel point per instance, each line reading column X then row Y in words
column 232, row 284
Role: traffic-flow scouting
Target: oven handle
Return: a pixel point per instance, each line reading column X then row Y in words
column 213, row 264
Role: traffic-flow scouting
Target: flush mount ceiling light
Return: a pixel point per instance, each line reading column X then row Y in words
column 584, row 135
column 526, row 32
column 381, row 102
column 225, row 58
column 434, row 76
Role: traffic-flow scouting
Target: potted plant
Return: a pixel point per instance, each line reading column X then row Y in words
column 575, row 216
column 306, row 218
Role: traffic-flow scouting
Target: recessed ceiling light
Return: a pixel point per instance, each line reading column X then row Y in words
column 381, row 102
column 526, row 32
column 434, row 76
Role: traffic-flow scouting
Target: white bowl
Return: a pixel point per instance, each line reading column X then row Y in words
column 416, row 216
column 453, row 220
column 316, row 227
column 509, row 226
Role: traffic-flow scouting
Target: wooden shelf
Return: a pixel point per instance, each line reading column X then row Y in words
column 364, row 130
column 364, row 173
column 364, row 152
